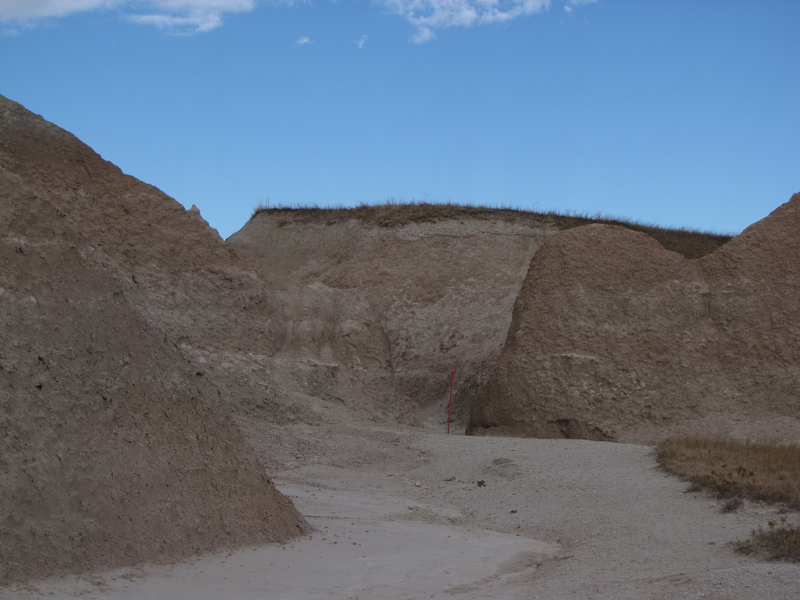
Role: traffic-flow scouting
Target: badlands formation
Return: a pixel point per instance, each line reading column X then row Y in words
column 152, row 375
column 116, row 449
column 615, row 338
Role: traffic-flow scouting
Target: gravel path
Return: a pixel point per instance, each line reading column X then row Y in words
column 400, row 514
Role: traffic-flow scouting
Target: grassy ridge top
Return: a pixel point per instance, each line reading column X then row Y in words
column 690, row 243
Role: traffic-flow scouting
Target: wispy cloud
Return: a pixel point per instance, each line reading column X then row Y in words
column 361, row 41
column 181, row 15
column 429, row 15
column 570, row 3
column 200, row 22
column 204, row 15
column 302, row 41
column 19, row 10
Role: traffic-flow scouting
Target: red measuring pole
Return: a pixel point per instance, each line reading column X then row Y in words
column 450, row 408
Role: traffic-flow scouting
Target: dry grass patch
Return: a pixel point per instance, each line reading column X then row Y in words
column 777, row 542
column 735, row 470
column 765, row 472
column 688, row 242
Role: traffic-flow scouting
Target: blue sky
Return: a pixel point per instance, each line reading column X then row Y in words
column 677, row 113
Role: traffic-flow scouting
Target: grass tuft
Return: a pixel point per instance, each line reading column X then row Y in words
column 688, row 242
column 735, row 470
column 777, row 542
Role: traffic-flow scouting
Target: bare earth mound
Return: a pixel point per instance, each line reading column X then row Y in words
column 615, row 338
column 115, row 449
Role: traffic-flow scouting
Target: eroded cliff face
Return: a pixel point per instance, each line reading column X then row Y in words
column 614, row 338
column 391, row 311
column 116, row 448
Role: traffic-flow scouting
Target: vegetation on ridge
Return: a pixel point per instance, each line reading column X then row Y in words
column 689, row 243
column 734, row 471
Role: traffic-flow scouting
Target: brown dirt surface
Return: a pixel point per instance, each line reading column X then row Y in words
column 389, row 312
column 615, row 338
column 116, row 450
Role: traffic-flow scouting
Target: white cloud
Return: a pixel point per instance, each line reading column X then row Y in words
column 199, row 22
column 363, row 40
column 429, row 15
column 568, row 7
column 192, row 15
column 31, row 9
column 204, row 15
column 302, row 41
column 423, row 34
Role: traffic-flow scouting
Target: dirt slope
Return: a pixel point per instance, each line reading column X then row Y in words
column 388, row 312
column 116, row 449
column 263, row 347
column 615, row 338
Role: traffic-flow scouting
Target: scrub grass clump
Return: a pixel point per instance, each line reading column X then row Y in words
column 777, row 542
column 735, row 471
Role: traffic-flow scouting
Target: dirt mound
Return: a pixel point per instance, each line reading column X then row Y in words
column 615, row 338
column 180, row 272
column 116, row 449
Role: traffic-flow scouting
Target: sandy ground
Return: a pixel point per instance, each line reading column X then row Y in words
column 399, row 513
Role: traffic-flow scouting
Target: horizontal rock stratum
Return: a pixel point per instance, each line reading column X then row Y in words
column 615, row 338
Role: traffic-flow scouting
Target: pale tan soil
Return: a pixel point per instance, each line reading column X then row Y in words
column 615, row 338
column 392, row 310
column 593, row 520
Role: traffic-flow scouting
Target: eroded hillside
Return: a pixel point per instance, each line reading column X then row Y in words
column 615, row 338
column 379, row 304
column 116, row 449
column 408, row 304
